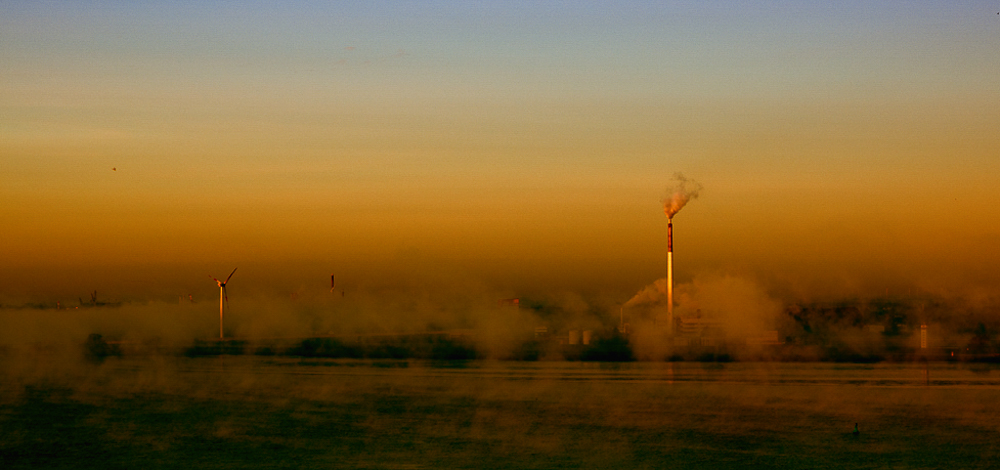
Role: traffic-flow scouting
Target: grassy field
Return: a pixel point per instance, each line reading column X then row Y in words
column 247, row 412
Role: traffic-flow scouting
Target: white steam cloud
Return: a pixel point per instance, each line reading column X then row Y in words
column 679, row 193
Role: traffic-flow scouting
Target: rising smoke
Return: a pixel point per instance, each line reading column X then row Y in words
column 679, row 193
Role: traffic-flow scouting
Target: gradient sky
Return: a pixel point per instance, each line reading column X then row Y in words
column 844, row 145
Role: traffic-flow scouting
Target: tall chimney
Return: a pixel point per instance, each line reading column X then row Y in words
column 670, row 276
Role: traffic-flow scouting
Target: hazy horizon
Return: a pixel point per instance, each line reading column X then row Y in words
column 845, row 150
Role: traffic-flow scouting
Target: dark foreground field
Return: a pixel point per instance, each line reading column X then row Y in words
column 247, row 412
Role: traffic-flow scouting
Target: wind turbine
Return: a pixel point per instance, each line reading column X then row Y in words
column 222, row 297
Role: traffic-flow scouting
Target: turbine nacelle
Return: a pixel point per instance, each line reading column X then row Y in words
column 223, row 283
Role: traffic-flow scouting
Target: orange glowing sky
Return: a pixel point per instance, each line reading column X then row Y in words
column 852, row 144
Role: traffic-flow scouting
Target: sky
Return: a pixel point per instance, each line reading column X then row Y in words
column 844, row 148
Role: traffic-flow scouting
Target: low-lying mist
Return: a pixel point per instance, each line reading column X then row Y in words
column 718, row 316
column 741, row 318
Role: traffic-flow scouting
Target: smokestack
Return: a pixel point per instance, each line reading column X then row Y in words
column 670, row 276
column 677, row 197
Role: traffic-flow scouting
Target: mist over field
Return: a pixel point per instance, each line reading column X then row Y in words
column 731, row 313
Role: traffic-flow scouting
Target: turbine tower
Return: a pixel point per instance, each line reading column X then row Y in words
column 222, row 297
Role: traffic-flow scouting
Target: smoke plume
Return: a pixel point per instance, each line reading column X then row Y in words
column 679, row 193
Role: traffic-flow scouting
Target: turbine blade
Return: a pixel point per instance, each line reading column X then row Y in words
column 231, row 275
column 225, row 294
